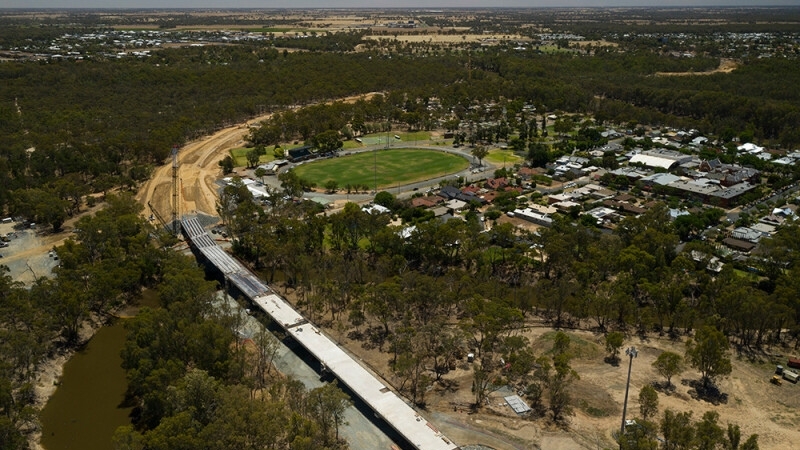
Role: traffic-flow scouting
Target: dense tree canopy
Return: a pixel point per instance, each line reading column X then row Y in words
column 424, row 294
column 108, row 120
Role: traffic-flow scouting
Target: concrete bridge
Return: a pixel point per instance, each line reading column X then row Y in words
column 385, row 403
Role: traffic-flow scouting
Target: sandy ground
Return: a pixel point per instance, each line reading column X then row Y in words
column 725, row 66
column 752, row 402
column 198, row 172
column 28, row 253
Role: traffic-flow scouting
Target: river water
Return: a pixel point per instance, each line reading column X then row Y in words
column 86, row 409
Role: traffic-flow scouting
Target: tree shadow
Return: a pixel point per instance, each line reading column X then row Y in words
column 372, row 337
column 355, row 335
column 754, row 355
column 709, row 393
column 448, row 385
column 612, row 360
column 663, row 387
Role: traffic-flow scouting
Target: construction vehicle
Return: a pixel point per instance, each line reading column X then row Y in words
column 791, row 376
column 776, row 380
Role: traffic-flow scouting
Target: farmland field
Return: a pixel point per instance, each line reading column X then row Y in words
column 390, row 167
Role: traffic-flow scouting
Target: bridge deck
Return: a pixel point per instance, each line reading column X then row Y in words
column 383, row 401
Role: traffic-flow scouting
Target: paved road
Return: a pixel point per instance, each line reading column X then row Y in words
column 787, row 193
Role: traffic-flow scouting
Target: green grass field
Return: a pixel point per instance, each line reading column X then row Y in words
column 418, row 137
column 499, row 156
column 393, row 167
column 349, row 145
column 239, row 156
column 415, row 136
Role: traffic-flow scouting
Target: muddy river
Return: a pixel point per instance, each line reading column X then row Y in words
column 87, row 406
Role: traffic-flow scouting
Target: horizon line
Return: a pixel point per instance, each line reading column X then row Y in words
column 418, row 8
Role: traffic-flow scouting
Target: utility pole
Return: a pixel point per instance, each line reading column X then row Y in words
column 632, row 353
column 175, row 190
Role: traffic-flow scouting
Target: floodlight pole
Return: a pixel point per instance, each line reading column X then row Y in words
column 632, row 353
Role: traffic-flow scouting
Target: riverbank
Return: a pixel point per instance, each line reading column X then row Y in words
column 49, row 375
column 51, row 371
column 89, row 404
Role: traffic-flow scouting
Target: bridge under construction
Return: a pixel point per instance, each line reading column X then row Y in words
column 385, row 403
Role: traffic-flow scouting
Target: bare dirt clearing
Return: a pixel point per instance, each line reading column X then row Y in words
column 28, row 253
column 725, row 66
column 198, row 172
column 752, row 402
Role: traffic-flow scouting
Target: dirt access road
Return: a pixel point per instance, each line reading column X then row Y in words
column 199, row 170
column 725, row 66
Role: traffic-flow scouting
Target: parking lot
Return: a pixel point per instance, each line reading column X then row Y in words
column 27, row 252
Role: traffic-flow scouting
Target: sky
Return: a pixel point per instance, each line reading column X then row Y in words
column 428, row 4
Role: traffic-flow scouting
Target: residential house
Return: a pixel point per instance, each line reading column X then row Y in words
column 746, row 234
column 426, row 202
column 456, row 204
column 604, row 216
column 449, row 192
column 764, row 228
column 452, row 192
column 749, row 147
column 375, row 209
column 534, row 216
column 737, row 244
column 440, row 211
column 713, row 264
column 566, row 206
column 624, row 207
column 772, row 220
